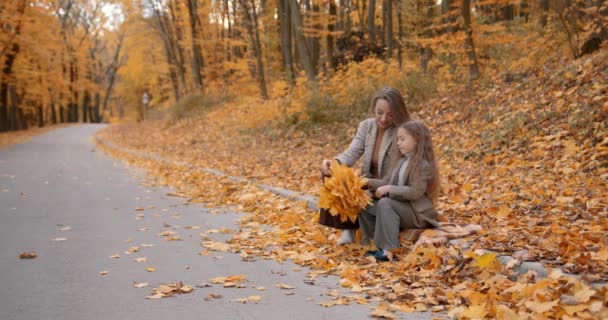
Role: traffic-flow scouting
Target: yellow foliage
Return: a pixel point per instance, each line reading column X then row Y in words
column 342, row 193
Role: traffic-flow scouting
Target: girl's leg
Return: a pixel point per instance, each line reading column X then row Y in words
column 390, row 214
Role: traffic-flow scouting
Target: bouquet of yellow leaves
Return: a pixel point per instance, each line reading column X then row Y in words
column 341, row 193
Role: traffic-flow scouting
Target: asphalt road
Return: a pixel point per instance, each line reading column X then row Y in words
column 58, row 186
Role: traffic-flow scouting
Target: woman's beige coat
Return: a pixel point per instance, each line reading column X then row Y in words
column 363, row 146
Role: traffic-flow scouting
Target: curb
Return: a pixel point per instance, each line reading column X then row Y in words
column 311, row 204
column 311, row 201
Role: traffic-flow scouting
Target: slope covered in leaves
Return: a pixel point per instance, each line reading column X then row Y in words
column 526, row 158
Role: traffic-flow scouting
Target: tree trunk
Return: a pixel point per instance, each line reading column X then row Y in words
column 371, row 15
column 341, row 13
column 166, row 34
column 360, row 6
column 426, row 52
column 258, row 50
column 73, row 104
column 316, row 45
column 388, row 28
column 86, row 107
column 508, row 12
column 178, row 39
column 469, row 45
column 286, row 43
column 400, row 31
column 96, row 102
column 7, row 70
column 53, row 114
column 4, row 107
column 40, row 116
column 197, row 57
column 544, row 12
column 331, row 27
column 252, row 29
column 16, row 119
column 301, row 43
column 449, row 19
column 111, row 72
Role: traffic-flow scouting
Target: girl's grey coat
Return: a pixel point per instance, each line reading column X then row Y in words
column 413, row 191
column 363, row 145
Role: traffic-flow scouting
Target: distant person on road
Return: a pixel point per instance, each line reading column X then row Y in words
column 375, row 143
column 145, row 102
column 405, row 198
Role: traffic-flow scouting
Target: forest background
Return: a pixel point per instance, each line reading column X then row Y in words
column 88, row 61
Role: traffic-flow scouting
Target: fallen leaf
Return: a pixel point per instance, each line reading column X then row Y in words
column 140, row 259
column 477, row 311
column 140, row 284
column 485, row 260
column 150, row 269
column 341, row 301
column 250, row 299
column 167, row 290
column 114, row 256
column 28, row 255
column 541, row 307
column 103, row 273
column 59, row 239
column 233, row 279
column 212, row 296
column 157, row 295
column 382, row 312
column 284, row 286
column 132, row 250
column 216, row 246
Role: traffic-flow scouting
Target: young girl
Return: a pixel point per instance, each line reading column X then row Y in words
column 405, row 197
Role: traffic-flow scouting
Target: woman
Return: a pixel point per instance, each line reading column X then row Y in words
column 375, row 142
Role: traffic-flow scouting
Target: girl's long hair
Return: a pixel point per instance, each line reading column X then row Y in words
column 423, row 152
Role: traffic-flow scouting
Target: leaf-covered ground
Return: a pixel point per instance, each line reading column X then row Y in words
column 526, row 158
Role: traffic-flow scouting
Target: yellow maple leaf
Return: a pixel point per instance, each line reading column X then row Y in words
column 342, row 193
column 485, row 260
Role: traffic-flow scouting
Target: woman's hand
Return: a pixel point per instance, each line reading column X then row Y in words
column 382, row 191
column 365, row 182
column 326, row 167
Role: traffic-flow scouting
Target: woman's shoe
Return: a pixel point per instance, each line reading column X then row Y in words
column 346, row 237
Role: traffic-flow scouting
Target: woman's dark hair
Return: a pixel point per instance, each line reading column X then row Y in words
column 396, row 103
